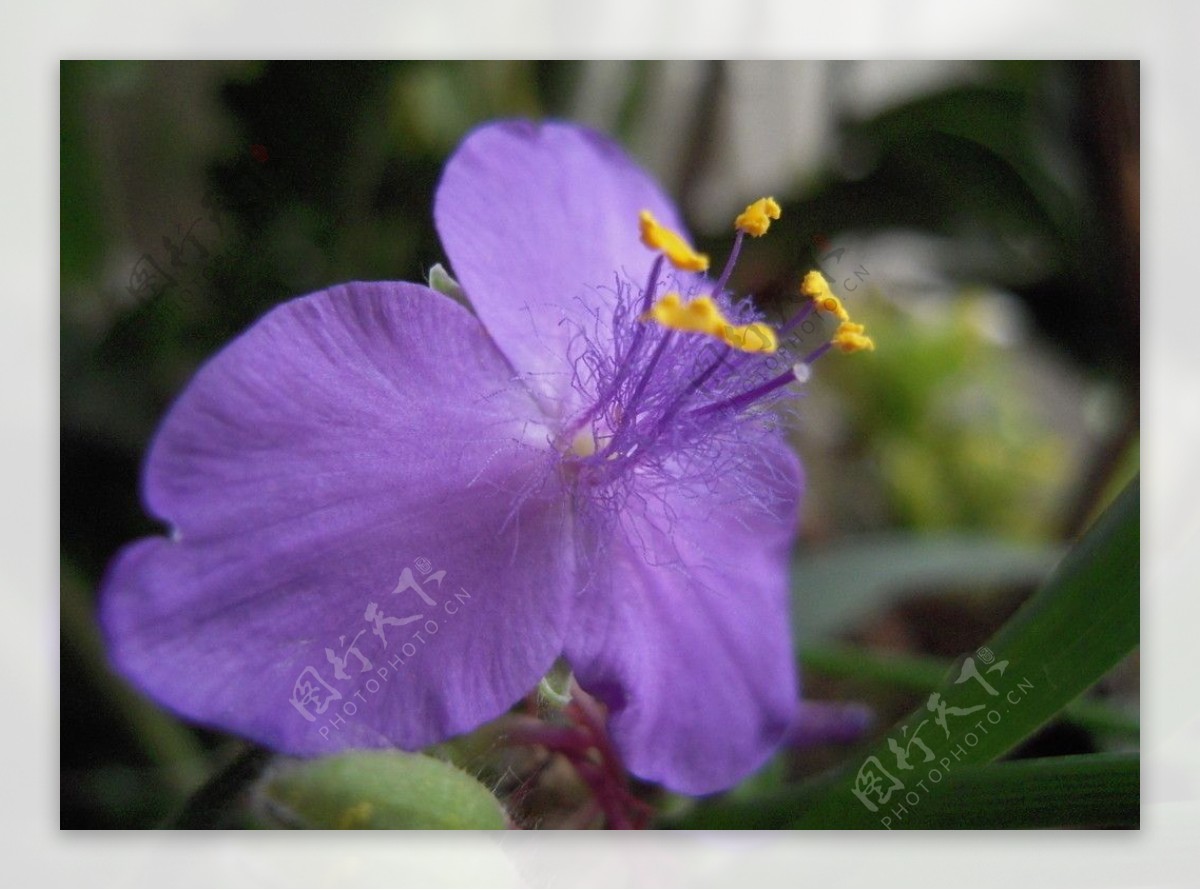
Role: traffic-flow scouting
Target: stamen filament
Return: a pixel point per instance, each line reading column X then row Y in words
column 631, row 405
column 635, row 414
column 628, row 360
column 649, row 372
column 731, row 262
column 652, row 285
column 669, row 414
column 750, row 396
column 801, row 314
column 817, row 353
column 640, row 333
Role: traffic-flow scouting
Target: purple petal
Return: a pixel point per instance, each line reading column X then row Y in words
column 346, row 438
column 538, row 220
column 690, row 647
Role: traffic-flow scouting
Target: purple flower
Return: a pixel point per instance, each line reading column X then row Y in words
column 390, row 517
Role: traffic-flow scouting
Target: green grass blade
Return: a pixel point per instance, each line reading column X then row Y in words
column 1095, row 790
column 923, row 674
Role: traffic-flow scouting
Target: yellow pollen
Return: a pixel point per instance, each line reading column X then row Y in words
column 672, row 245
column 816, row 288
column 703, row 316
column 755, row 337
column 850, row 338
column 756, row 218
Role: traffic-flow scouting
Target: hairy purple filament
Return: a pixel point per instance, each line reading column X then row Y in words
column 653, row 394
column 630, row 357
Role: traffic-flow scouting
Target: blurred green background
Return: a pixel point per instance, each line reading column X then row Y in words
column 982, row 218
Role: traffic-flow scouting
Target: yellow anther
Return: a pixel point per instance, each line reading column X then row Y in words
column 677, row 250
column 756, row 218
column 703, row 316
column 816, row 288
column 850, row 338
column 756, row 337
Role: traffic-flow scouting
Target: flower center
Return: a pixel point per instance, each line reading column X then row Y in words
column 695, row 364
column 584, row 443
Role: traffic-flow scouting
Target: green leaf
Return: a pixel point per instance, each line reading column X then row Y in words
column 379, row 789
column 1095, row 790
